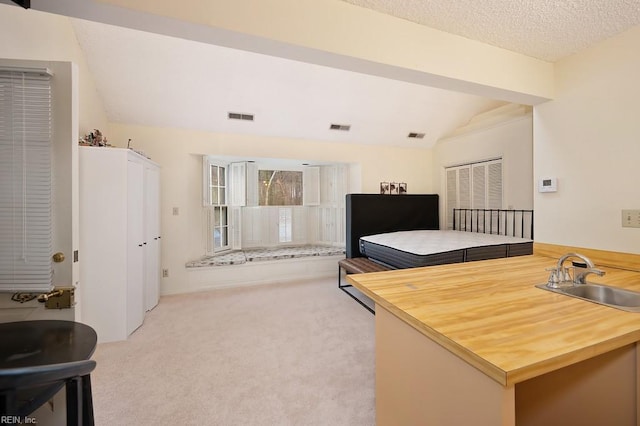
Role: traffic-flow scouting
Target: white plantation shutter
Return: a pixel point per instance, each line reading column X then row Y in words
column 464, row 188
column 25, row 181
column 238, row 184
column 284, row 224
column 311, row 182
column 252, row 184
column 495, row 185
column 452, row 195
column 479, row 186
column 473, row 186
column 236, row 228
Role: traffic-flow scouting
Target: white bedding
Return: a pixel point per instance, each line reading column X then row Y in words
column 431, row 242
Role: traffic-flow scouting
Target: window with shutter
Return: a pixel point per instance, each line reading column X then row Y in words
column 25, row 180
column 473, row 186
column 216, row 207
column 272, row 202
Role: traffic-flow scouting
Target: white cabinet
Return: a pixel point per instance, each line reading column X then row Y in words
column 119, row 240
column 152, row 235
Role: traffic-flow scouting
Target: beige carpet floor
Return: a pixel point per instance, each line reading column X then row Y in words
column 286, row 354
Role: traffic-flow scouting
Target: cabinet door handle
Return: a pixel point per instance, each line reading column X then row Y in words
column 139, row 245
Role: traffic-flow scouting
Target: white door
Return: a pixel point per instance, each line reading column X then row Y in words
column 135, row 246
column 152, row 236
column 64, row 214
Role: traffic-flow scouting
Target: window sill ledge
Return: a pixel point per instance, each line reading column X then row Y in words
column 265, row 254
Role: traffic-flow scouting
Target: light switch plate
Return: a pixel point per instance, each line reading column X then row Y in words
column 631, row 218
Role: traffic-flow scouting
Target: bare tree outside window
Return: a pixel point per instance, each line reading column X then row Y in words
column 280, row 188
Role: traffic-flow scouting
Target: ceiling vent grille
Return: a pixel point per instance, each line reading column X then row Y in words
column 416, row 135
column 343, row 127
column 238, row 116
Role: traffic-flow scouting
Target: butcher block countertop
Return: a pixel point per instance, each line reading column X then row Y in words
column 490, row 314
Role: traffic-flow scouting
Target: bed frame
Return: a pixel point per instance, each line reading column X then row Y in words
column 370, row 214
column 516, row 223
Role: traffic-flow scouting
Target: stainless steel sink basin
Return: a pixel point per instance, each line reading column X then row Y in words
column 614, row 297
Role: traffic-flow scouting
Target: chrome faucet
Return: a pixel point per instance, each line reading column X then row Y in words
column 560, row 275
column 585, row 259
column 580, row 274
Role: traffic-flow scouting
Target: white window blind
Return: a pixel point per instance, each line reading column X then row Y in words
column 25, row 181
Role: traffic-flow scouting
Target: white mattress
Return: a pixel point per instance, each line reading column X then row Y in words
column 432, row 242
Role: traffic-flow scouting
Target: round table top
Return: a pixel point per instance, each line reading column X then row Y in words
column 42, row 342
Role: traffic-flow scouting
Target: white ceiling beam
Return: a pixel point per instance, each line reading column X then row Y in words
column 335, row 34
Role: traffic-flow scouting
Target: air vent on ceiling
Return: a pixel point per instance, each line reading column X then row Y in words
column 416, row 135
column 238, row 116
column 343, row 127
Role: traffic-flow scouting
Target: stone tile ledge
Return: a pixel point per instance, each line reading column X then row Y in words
column 239, row 257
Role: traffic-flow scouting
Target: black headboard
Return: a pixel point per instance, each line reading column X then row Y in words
column 369, row 214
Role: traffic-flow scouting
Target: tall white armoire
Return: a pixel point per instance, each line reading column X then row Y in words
column 119, row 240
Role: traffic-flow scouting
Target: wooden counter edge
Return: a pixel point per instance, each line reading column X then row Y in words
column 627, row 261
column 552, row 364
column 473, row 359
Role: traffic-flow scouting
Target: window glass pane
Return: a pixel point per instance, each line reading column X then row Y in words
column 217, row 238
column 221, row 196
column 221, row 176
column 224, row 236
column 280, row 188
column 214, row 196
column 214, row 175
column 223, row 216
column 216, row 217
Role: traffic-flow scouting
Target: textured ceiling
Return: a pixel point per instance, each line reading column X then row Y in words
column 544, row 29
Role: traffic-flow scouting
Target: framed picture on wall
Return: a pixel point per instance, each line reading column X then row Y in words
column 393, row 188
column 384, row 188
column 402, row 188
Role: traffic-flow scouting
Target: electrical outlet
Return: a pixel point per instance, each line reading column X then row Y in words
column 165, row 273
column 631, row 218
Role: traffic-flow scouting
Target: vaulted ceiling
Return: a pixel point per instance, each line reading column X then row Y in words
column 157, row 80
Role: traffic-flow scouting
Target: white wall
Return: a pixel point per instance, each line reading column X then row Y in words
column 36, row 39
column 179, row 154
column 589, row 138
column 506, row 133
column 29, row 34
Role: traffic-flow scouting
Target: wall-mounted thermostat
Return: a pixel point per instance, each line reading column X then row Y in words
column 548, row 185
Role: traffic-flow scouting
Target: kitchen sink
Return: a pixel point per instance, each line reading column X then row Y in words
column 614, row 297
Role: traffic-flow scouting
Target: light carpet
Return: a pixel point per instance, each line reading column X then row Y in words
column 286, row 354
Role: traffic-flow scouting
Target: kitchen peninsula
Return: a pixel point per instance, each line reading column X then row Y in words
column 477, row 343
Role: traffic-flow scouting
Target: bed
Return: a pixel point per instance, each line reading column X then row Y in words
column 413, row 249
column 403, row 231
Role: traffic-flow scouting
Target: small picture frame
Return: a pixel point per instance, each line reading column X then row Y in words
column 384, row 188
column 402, row 188
column 393, row 188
